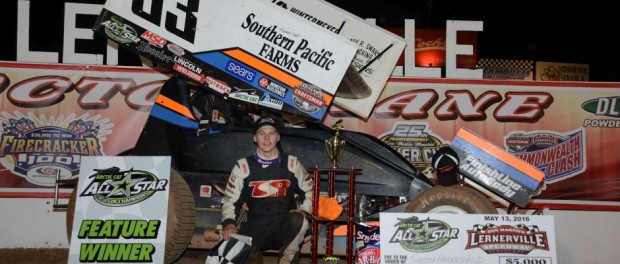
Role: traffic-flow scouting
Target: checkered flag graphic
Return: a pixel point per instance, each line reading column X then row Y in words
column 500, row 69
column 482, row 228
column 232, row 251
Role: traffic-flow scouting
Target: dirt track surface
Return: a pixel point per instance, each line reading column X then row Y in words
column 61, row 255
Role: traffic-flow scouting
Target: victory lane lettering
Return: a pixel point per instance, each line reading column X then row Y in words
column 114, row 229
column 270, row 33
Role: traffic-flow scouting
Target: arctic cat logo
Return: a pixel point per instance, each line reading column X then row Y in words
column 247, row 96
column 115, row 188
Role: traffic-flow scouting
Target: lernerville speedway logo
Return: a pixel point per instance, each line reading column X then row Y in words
column 518, row 239
column 423, row 235
column 115, row 188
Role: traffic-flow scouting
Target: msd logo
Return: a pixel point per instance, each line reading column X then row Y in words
column 154, row 39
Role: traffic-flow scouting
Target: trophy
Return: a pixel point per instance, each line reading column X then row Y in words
column 335, row 144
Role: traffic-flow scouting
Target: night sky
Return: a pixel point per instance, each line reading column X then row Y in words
column 554, row 31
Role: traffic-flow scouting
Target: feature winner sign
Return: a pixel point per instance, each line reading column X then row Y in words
column 467, row 238
column 250, row 51
column 121, row 210
column 495, row 169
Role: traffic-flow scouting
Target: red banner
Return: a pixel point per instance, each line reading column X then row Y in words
column 569, row 130
column 51, row 115
column 430, row 48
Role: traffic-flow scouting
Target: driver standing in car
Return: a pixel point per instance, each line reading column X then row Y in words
column 268, row 182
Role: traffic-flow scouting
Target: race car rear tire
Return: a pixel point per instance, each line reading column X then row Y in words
column 454, row 199
column 181, row 217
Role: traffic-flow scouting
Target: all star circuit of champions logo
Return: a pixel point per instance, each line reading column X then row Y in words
column 37, row 147
column 115, row 188
column 422, row 235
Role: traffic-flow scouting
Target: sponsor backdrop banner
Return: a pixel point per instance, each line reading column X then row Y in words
column 52, row 115
column 121, row 210
column 567, row 130
column 472, row 238
column 560, row 71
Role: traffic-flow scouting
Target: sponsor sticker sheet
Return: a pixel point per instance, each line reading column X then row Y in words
column 244, row 50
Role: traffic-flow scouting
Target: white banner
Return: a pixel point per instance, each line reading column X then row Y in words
column 467, row 238
column 121, row 210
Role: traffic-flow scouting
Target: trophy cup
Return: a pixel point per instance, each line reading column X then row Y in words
column 335, row 144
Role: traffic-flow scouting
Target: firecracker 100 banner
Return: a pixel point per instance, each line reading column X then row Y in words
column 52, row 115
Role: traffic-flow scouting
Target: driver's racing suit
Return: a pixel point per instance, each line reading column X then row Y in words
column 269, row 193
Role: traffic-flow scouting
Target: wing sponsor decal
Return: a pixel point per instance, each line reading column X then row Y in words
column 272, row 87
column 270, row 102
column 218, row 85
column 308, row 98
column 119, row 31
column 246, row 95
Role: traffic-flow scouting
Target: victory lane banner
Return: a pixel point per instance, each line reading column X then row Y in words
column 245, row 50
column 467, row 238
column 121, row 210
column 496, row 169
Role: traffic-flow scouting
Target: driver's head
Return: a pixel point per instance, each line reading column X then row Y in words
column 266, row 136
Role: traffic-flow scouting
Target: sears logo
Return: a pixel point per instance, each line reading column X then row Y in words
column 240, row 71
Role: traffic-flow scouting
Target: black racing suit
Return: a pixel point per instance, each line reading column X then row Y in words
column 269, row 192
